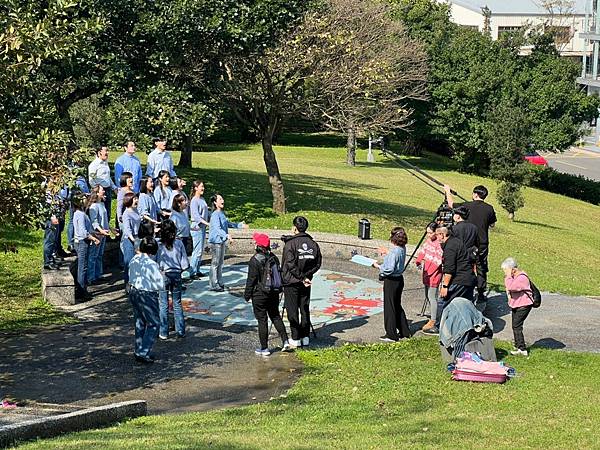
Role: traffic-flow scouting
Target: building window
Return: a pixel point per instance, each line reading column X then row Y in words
column 562, row 35
column 509, row 29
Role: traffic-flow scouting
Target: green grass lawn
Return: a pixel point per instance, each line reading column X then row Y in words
column 388, row 396
column 554, row 238
column 21, row 302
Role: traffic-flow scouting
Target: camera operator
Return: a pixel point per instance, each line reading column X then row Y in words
column 458, row 279
column 482, row 215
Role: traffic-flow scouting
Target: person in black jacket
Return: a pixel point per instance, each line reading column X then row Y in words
column 458, row 279
column 264, row 303
column 465, row 231
column 301, row 260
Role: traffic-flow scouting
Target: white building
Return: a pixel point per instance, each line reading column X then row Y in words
column 511, row 15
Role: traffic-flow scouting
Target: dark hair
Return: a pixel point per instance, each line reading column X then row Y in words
column 94, row 196
column 144, row 182
column 398, row 236
column 432, row 226
column 213, row 199
column 162, row 173
column 149, row 245
column 174, row 183
column 461, row 211
column 195, row 184
column 177, row 200
column 146, row 229
column 124, row 177
column 158, row 139
column 481, row 191
column 301, row 223
column 78, row 201
column 99, row 149
column 168, row 232
column 128, row 200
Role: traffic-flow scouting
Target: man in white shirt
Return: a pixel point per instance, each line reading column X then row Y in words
column 99, row 174
column 159, row 159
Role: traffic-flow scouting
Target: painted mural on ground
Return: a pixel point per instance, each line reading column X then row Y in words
column 335, row 297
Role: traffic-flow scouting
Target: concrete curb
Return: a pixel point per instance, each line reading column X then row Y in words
column 85, row 419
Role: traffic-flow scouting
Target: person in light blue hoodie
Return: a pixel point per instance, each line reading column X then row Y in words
column 218, row 238
column 99, row 219
column 162, row 194
column 83, row 237
column 129, row 233
column 199, row 215
column 390, row 271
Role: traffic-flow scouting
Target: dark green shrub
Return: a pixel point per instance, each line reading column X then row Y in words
column 574, row 186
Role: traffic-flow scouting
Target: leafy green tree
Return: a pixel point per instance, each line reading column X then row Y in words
column 161, row 110
column 34, row 152
column 507, row 136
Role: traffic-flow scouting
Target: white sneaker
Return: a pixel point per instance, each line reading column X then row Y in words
column 286, row 347
column 293, row 343
column 262, row 352
column 519, row 352
column 305, row 341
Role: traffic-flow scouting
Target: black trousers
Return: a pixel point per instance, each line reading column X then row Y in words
column 268, row 306
column 454, row 291
column 518, row 319
column 394, row 318
column 297, row 304
column 482, row 271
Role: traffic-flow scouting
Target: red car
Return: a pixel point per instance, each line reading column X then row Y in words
column 536, row 158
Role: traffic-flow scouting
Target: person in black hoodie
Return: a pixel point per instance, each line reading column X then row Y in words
column 264, row 303
column 458, row 279
column 301, row 260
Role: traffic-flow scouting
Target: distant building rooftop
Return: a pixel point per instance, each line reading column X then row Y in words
column 515, row 7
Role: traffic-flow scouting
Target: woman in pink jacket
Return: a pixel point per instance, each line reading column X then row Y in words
column 518, row 291
column 430, row 257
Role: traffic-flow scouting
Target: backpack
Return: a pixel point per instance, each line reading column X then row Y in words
column 271, row 277
column 536, row 295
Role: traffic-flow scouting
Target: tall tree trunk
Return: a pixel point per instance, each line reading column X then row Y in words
column 351, row 147
column 186, row 152
column 273, row 172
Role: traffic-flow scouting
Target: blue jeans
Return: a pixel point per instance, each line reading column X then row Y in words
column 454, row 291
column 96, row 253
column 70, row 230
column 145, row 314
column 173, row 285
column 128, row 250
column 82, row 249
column 49, row 242
column 216, row 265
column 198, row 238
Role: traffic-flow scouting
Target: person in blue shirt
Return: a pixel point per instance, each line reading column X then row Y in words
column 147, row 207
column 128, row 162
column 390, row 271
column 125, row 187
column 199, row 222
column 181, row 220
column 83, row 238
column 162, row 194
column 159, row 159
column 218, row 238
column 146, row 282
column 99, row 220
column 172, row 261
column 129, row 233
column 81, row 186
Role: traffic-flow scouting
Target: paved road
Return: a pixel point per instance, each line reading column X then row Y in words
column 576, row 162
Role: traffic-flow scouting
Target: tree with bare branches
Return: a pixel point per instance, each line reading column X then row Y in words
column 373, row 70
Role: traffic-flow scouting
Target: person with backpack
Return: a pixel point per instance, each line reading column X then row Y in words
column 301, row 260
column 172, row 261
column 519, row 291
column 263, row 287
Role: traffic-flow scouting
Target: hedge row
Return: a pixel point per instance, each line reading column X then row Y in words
column 574, row 186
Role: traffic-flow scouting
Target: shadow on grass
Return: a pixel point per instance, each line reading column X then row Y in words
column 18, row 237
column 550, row 343
column 537, row 224
column 248, row 195
column 212, row 148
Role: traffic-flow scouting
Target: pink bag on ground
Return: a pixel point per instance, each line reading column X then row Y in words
column 478, row 370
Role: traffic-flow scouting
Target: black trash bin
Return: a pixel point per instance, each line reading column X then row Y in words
column 364, row 229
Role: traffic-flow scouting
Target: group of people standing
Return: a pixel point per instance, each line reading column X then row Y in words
column 454, row 263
